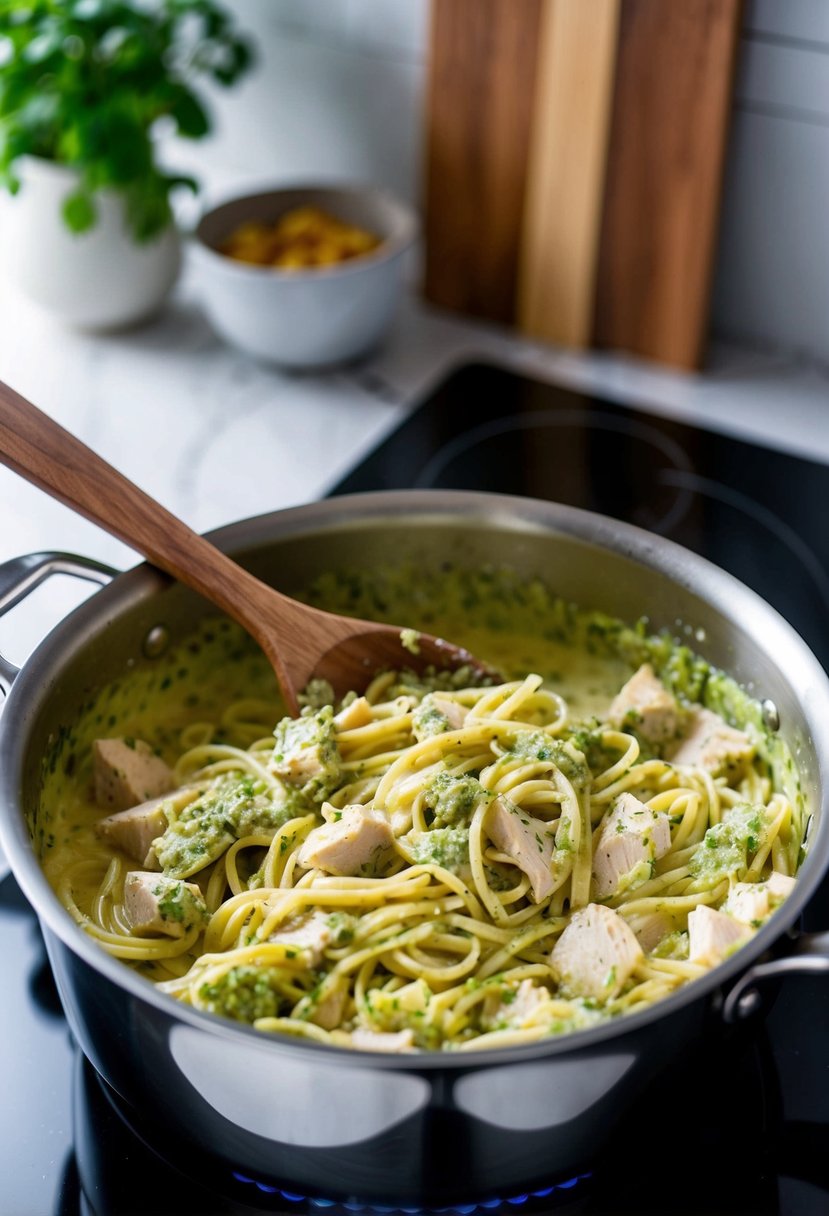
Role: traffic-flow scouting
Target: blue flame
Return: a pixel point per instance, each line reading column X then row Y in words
column 459, row 1209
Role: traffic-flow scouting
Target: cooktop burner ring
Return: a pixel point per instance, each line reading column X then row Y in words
column 706, row 487
column 578, row 422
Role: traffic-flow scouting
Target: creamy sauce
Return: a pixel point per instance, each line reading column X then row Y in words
column 192, row 684
column 587, row 681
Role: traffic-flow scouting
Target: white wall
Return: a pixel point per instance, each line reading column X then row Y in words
column 772, row 282
column 337, row 93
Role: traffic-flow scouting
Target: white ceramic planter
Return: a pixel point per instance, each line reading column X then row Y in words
column 101, row 279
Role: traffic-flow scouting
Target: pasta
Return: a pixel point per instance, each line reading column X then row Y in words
column 437, row 866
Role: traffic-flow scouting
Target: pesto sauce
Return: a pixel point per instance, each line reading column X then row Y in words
column 429, row 720
column 447, row 847
column 247, row 994
column 564, row 755
column 234, row 807
column 177, row 903
column 313, row 732
column 725, row 848
column 453, row 799
column 342, row 926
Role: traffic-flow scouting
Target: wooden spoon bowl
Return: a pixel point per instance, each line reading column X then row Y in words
column 302, row 643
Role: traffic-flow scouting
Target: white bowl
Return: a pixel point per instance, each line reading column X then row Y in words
column 314, row 316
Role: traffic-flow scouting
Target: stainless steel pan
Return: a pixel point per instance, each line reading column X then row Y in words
column 415, row 1129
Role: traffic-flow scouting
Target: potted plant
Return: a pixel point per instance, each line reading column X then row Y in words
column 86, row 88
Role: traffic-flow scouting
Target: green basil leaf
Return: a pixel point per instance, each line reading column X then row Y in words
column 79, row 211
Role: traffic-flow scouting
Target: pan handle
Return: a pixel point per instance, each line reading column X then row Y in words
column 809, row 955
column 20, row 576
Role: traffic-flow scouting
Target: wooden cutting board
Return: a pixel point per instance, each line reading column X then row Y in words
column 480, row 99
column 566, row 172
column 575, row 154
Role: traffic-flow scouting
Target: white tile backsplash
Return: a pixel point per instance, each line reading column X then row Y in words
column 803, row 19
column 792, row 78
column 324, row 19
column 319, row 106
column 772, row 273
column 396, row 27
column 772, row 281
column 393, row 26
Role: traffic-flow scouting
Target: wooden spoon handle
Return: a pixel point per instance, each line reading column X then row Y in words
column 37, row 448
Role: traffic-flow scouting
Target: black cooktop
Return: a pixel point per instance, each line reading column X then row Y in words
column 750, row 1136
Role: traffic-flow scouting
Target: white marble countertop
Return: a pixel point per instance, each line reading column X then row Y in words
column 217, row 437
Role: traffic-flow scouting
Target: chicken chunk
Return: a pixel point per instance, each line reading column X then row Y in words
column 352, row 844
column 779, row 886
column 411, row 998
column 710, row 743
column 527, row 841
column 711, row 934
column 645, row 705
column 752, row 901
column 309, row 934
column 748, row 901
column 437, row 714
column 329, row 1012
column 595, row 954
column 155, row 904
column 134, row 831
column 514, row 1006
column 128, row 772
column 355, row 715
column 377, row 1040
column 650, row 929
column 306, row 752
column 633, row 837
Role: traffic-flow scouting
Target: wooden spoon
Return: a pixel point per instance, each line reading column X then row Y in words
column 302, row 643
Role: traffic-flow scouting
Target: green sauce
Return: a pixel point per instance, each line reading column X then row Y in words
column 447, row 847
column 725, row 849
column 453, row 799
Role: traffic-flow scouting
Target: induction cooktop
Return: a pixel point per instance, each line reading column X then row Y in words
column 743, row 1127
